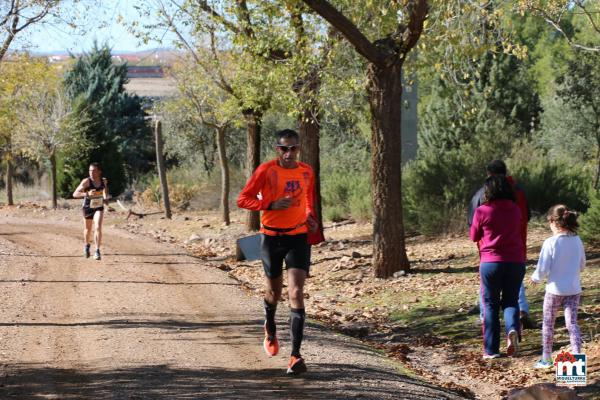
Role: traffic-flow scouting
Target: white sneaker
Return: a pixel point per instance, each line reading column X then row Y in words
column 544, row 364
column 490, row 356
column 512, row 348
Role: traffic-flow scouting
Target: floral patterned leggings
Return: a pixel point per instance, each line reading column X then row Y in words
column 552, row 303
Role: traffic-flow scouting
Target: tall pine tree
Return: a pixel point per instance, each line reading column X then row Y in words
column 121, row 141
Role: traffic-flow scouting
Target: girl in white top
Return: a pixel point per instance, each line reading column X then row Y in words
column 561, row 260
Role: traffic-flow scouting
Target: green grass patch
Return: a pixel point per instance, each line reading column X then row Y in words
column 444, row 313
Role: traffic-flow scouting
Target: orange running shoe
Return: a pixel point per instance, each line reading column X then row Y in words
column 270, row 344
column 296, row 366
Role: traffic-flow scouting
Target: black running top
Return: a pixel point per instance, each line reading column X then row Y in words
column 87, row 200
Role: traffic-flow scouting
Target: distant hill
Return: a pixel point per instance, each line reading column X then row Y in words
column 157, row 56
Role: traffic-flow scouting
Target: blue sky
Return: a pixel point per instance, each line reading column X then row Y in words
column 100, row 25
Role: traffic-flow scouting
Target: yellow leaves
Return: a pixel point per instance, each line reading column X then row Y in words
column 507, row 48
column 20, row 79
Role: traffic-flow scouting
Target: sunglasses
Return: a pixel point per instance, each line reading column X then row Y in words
column 285, row 148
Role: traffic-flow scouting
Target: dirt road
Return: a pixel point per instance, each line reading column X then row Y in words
column 150, row 322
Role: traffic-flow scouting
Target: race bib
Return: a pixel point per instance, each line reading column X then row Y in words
column 96, row 202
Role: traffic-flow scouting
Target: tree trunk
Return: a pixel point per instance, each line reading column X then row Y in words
column 7, row 42
column 224, row 174
column 253, row 125
column 384, row 90
column 9, row 182
column 310, row 150
column 53, row 178
column 597, row 175
column 162, row 171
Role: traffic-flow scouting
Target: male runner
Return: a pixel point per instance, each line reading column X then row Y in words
column 94, row 191
column 283, row 189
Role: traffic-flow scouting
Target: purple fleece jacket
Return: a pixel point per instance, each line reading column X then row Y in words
column 497, row 229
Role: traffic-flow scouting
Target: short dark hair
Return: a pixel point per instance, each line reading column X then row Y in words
column 97, row 165
column 287, row 134
column 496, row 167
column 563, row 217
column 497, row 187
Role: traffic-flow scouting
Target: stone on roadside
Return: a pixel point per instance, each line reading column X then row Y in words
column 355, row 330
column 543, row 391
column 399, row 274
column 224, row 267
column 395, row 338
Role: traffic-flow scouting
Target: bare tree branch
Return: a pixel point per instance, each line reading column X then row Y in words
column 221, row 82
column 244, row 16
column 555, row 23
column 410, row 36
column 347, row 28
column 204, row 6
column 588, row 14
column 213, row 48
column 14, row 15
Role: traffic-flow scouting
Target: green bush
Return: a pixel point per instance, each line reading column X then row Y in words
column 438, row 186
column 590, row 221
column 180, row 195
column 346, row 195
column 190, row 186
column 335, row 213
column 549, row 182
column 360, row 201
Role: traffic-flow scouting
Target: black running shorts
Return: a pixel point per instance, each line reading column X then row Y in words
column 294, row 249
column 88, row 213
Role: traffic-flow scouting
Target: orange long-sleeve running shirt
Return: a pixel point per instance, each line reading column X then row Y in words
column 271, row 182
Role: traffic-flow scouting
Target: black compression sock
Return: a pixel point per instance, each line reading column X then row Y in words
column 297, row 316
column 270, row 310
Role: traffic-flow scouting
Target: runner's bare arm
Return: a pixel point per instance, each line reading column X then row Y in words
column 81, row 190
column 105, row 193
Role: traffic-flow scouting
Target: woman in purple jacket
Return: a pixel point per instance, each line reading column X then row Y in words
column 496, row 226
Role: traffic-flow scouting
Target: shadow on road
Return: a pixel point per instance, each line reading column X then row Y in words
column 324, row 381
column 133, row 323
column 105, row 254
column 123, row 282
